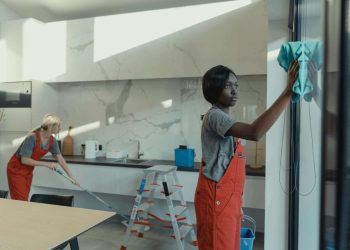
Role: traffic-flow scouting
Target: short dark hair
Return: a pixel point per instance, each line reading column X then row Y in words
column 214, row 81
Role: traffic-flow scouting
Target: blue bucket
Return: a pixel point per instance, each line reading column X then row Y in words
column 330, row 235
column 247, row 234
column 330, row 245
column 184, row 157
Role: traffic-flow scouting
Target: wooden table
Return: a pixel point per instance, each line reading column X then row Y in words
column 29, row 225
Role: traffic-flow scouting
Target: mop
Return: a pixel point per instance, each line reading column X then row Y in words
column 90, row 193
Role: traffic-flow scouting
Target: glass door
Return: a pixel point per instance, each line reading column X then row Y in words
column 307, row 188
column 335, row 211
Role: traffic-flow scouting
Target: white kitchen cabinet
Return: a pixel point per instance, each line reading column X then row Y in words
column 254, row 192
column 125, row 181
column 15, row 106
column 43, row 99
column 106, row 179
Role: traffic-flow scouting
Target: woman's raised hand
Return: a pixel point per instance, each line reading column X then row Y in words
column 293, row 73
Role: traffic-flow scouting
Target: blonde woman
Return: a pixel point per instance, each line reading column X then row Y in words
column 21, row 165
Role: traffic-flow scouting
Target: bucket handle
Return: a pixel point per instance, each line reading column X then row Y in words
column 251, row 220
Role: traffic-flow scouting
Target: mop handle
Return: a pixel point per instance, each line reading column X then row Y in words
column 89, row 192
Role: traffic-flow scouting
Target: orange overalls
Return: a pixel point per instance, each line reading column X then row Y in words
column 20, row 176
column 218, row 206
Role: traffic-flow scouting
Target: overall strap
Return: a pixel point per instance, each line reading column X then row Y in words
column 37, row 138
column 50, row 142
column 239, row 148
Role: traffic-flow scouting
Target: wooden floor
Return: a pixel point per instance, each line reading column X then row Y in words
column 110, row 234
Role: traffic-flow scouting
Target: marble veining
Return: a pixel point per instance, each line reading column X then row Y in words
column 161, row 113
column 96, row 51
column 114, row 110
column 80, row 48
column 188, row 55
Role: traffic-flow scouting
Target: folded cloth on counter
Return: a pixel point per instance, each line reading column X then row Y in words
column 304, row 52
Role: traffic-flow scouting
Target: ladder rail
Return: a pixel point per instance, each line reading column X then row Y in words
column 186, row 212
column 179, row 242
column 137, row 203
column 177, row 182
column 150, row 199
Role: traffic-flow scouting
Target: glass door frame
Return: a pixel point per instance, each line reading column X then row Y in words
column 341, row 156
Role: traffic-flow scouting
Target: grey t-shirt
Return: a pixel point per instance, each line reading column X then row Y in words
column 217, row 149
column 28, row 145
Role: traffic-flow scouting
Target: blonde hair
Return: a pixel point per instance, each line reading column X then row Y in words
column 47, row 121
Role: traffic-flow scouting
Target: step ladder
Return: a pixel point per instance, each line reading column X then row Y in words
column 177, row 217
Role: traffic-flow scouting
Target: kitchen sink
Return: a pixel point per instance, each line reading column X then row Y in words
column 131, row 161
column 135, row 160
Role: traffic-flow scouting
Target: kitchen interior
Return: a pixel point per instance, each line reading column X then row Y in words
column 130, row 88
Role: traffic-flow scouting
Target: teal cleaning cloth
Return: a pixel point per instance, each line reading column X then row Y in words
column 304, row 53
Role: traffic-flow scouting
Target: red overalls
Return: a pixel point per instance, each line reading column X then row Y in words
column 20, row 176
column 218, row 206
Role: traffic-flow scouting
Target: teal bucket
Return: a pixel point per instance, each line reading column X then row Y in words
column 247, row 234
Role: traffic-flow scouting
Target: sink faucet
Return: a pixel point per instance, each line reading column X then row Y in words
column 139, row 152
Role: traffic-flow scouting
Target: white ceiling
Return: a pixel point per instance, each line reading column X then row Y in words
column 57, row 10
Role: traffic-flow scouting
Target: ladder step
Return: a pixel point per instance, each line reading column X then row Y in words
column 145, row 206
column 142, row 223
column 136, row 228
column 149, row 224
column 150, row 187
column 184, row 230
column 173, row 189
column 178, row 210
column 138, row 223
column 165, row 219
column 160, row 169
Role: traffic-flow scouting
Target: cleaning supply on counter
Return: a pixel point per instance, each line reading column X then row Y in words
column 184, row 157
column 91, row 149
column 67, row 147
column 115, row 154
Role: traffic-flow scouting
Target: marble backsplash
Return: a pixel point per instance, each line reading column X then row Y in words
column 161, row 113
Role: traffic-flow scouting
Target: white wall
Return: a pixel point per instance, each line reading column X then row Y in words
column 6, row 148
column 143, row 45
column 7, row 13
column 276, row 180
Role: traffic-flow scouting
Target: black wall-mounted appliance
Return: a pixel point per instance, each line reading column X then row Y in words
column 16, row 95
